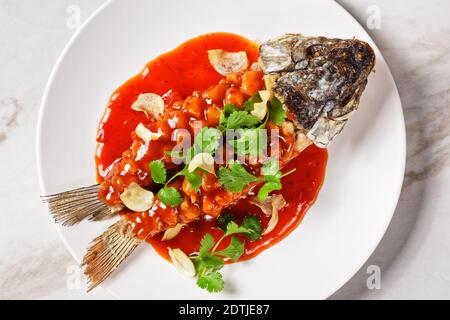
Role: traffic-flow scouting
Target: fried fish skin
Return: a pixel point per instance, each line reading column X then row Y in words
column 319, row 80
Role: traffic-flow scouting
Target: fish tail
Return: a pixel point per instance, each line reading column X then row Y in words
column 107, row 252
column 71, row 207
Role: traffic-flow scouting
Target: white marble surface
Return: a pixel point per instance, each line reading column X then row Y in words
column 413, row 256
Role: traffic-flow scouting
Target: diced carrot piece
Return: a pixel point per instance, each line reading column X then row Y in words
column 189, row 211
column 224, row 198
column 252, row 82
column 168, row 216
column 213, row 116
column 236, row 97
column 235, row 79
column 189, row 191
column 210, row 182
column 210, row 207
column 216, row 93
column 171, row 97
column 195, row 106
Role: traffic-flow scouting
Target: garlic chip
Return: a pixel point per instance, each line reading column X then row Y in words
column 260, row 108
column 272, row 223
column 302, row 142
column 150, row 103
column 137, row 198
column 182, row 262
column 146, row 135
column 269, row 81
column 271, row 207
column 172, row 232
column 203, row 161
column 226, row 63
column 266, row 206
column 278, row 203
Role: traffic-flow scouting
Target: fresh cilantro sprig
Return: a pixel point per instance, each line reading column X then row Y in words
column 241, row 119
column 235, row 177
column 232, row 119
column 169, row 195
column 254, row 227
column 158, row 171
column 209, row 261
column 277, row 114
column 272, row 177
column 224, row 219
column 249, row 106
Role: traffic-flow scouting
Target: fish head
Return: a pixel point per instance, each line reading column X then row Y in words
column 319, row 80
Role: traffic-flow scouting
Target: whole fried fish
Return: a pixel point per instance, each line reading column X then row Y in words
column 319, row 80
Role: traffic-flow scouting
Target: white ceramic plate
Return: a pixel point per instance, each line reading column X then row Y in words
column 365, row 170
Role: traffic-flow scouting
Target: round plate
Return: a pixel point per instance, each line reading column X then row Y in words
column 365, row 170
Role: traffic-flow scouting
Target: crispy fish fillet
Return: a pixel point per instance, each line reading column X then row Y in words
column 319, row 80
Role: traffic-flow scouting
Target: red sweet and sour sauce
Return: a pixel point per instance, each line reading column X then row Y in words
column 185, row 70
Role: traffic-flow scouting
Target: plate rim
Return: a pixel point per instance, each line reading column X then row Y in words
column 107, row 3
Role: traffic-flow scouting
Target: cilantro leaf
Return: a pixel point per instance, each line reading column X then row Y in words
column 234, row 228
column 206, row 245
column 213, row 282
column 241, row 119
column 235, row 178
column 272, row 176
column 170, row 197
column 267, row 188
column 276, row 112
column 224, row 219
column 234, row 251
column 207, row 141
column 228, row 109
column 208, row 263
column 250, row 104
column 195, row 180
column 158, row 172
column 254, row 227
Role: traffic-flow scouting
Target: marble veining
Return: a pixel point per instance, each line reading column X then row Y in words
column 9, row 113
column 413, row 258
